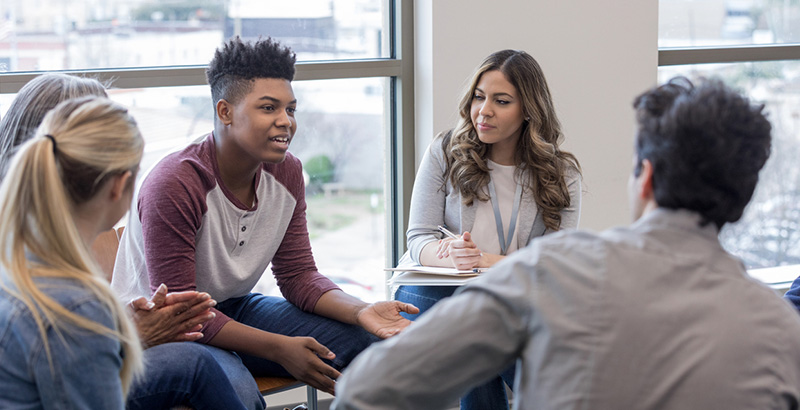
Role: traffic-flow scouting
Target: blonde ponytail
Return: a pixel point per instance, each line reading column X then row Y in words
column 80, row 144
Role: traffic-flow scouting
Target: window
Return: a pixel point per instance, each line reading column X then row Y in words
column 696, row 23
column 354, row 85
column 340, row 141
column 89, row 34
column 749, row 45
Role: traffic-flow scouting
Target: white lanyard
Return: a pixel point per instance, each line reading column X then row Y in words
column 498, row 219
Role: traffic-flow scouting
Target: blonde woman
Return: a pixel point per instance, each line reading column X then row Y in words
column 65, row 336
column 66, row 340
column 497, row 180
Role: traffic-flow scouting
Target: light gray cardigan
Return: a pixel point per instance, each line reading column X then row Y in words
column 430, row 207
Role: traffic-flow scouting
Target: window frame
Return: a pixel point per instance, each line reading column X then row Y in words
column 727, row 54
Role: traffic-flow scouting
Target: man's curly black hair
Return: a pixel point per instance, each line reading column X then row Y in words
column 706, row 143
column 237, row 63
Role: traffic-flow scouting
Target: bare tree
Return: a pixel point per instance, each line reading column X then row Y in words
column 769, row 232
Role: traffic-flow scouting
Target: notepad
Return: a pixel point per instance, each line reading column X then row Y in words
column 432, row 270
column 422, row 279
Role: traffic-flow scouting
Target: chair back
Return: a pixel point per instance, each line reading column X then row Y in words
column 105, row 249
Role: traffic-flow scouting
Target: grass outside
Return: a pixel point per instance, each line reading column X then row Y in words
column 328, row 213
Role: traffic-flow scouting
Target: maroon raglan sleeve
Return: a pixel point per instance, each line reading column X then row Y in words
column 171, row 205
column 293, row 263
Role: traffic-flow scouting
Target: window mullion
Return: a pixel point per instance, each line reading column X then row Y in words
column 732, row 54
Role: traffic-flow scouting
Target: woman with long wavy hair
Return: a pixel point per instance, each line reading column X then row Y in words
column 497, row 180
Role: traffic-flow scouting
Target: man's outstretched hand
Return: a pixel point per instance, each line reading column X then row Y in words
column 383, row 318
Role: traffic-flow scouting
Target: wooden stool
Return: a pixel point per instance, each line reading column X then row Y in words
column 272, row 385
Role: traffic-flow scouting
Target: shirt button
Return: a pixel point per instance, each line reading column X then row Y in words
column 241, row 243
column 244, row 228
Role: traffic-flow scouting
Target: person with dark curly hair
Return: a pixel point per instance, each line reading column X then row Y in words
column 653, row 315
column 213, row 217
column 499, row 178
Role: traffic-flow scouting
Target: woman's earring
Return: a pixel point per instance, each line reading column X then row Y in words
column 528, row 119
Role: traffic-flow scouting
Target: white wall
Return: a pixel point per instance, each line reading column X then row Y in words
column 597, row 56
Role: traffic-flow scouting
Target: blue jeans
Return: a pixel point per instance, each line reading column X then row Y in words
column 276, row 315
column 489, row 396
column 243, row 383
column 192, row 374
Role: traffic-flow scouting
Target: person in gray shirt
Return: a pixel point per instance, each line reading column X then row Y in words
column 656, row 315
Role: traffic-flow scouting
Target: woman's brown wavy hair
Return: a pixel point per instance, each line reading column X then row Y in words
column 538, row 152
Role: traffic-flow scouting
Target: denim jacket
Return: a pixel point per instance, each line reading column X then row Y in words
column 85, row 365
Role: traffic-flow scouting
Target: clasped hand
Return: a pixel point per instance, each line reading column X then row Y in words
column 462, row 252
column 171, row 317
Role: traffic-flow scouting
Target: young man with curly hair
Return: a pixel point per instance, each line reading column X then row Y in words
column 213, row 216
column 651, row 316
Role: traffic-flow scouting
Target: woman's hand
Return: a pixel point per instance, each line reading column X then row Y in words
column 300, row 356
column 462, row 252
column 171, row 317
column 383, row 319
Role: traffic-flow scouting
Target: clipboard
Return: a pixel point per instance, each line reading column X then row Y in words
column 432, row 276
column 433, row 270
